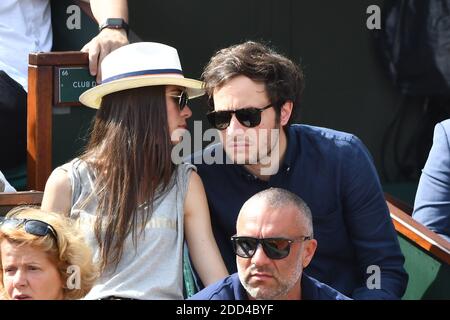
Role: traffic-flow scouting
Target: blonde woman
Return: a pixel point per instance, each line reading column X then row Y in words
column 43, row 257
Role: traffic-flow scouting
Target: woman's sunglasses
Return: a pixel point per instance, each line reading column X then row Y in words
column 274, row 248
column 181, row 99
column 31, row 226
column 248, row 117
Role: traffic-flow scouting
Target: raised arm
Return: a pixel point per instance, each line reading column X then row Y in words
column 57, row 193
column 197, row 225
column 108, row 39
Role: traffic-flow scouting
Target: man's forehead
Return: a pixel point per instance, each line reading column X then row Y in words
column 257, row 213
column 239, row 85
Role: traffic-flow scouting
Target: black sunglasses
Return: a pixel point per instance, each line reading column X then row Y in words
column 182, row 99
column 248, row 117
column 31, row 226
column 274, row 248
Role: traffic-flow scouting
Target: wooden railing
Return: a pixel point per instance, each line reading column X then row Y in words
column 44, row 88
column 13, row 199
column 415, row 232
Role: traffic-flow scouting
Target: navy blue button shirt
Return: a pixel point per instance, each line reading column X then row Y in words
column 334, row 174
column 231, row 288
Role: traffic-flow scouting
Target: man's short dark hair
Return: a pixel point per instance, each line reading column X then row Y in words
column 279, row 198
column 282, row 78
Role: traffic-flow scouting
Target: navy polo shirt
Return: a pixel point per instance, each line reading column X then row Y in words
column 231, row 288
column 334, row 174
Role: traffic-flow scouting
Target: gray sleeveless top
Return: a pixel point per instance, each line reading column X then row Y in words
column 152, row 269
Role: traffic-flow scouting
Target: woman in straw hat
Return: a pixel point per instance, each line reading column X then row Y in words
column 135, row 205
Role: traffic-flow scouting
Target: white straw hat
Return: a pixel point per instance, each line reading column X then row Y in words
column 140, row 64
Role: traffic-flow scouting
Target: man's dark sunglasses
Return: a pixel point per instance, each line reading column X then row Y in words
column 248, row 117
column 182, row 99
column 274, row 248
column 31, row 226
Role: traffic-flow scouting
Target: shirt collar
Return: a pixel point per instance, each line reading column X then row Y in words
column 239, row 290
column 309, row 290
column 292, row 148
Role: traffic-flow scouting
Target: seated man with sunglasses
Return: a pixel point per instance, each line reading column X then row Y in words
column 273, row 244
column 254, row 94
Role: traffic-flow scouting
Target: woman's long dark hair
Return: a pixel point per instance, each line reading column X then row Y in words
column 129, row 152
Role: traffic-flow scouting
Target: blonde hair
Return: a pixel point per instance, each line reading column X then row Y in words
column 70, row 249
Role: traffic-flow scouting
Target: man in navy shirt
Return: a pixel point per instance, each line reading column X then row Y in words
column 273, row 244
column 254, row 93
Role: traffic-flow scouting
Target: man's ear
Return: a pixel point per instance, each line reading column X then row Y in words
column 310, row 247
column 286, row 111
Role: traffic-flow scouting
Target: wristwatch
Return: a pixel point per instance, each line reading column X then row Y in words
column 114, row 23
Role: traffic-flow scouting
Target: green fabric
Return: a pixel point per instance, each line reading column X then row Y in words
column 429, row 278
column 189, row 283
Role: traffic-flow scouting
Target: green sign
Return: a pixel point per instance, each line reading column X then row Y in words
column 73, row 81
